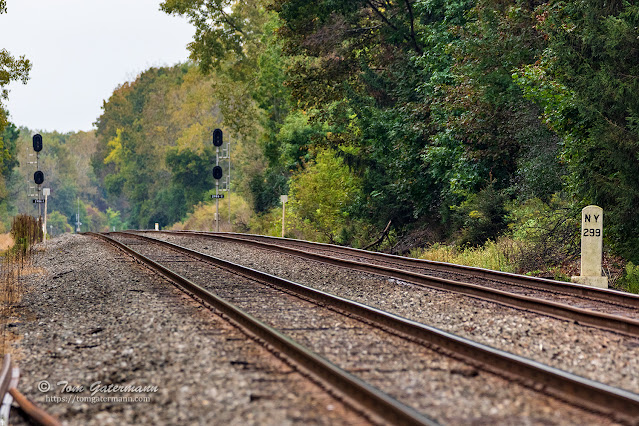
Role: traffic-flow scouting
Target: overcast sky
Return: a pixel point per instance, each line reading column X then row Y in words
column 81, row 50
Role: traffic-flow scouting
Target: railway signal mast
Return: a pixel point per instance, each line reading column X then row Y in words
column 38, row 177
column 218, row 140
column 226, row 182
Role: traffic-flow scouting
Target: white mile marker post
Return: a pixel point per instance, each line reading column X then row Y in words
column 591, row 248
column 46, row 192
column 283, row 199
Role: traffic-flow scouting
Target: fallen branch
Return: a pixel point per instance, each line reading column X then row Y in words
column 381, row 238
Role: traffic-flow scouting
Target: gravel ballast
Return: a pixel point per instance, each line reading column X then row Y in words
column 449, row 391
column 599, row 355
column 92, row 324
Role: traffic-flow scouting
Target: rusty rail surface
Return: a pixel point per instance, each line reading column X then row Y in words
column 586, row 393
column 9, row 392
column 601, row 320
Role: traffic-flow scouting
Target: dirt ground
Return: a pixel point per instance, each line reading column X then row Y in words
column 5, row 241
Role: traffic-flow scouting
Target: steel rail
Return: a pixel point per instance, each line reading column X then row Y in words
column 8, row 382
column 364, row 395
column 9, row 376
column 35, row 413
column 564, row 311
column 5, row 376
column 595, row 293
column 580, row 391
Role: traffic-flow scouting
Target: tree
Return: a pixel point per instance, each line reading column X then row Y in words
column 58, row 223
column 191, row 174
column 8, row 162
column 370, row 73
column 586, row 83
column 224, row 30
column 321, row 195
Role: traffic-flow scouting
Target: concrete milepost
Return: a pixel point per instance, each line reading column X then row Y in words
column 591, row 248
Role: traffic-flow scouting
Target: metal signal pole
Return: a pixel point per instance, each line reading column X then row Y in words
column 228, row 186
column 217, row 175
column 38, row 178
column 217, row 189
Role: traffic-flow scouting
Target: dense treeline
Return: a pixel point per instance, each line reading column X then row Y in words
column 65, row 161
column 460, row 121
column 155, row 155
column 463, row 117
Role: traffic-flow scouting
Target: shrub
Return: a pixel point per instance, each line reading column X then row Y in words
column 203, row 216
column 482, row 216
column 630, row 280
column 26, row 231
column 500, row 255
column 548, row 232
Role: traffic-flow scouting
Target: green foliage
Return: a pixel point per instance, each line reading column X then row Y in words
column 11, row 69
column 630, row 280
column 266, row 189
column 65, row 161
column 8, row 162
column 549, row 232
column 134, row 141
column 223, row 28
column 482, row 217
column 203, row 216
column 191, row 173
column 499, row 256
column 114, row 220
column 58, row 223
column 320, row 197
column 269, row 223
column 585, row 82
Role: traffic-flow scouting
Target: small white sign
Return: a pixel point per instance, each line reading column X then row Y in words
column 284, row 198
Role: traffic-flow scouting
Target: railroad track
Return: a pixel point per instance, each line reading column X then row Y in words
column 602, row 308
column 365, row 342
column 9, row 375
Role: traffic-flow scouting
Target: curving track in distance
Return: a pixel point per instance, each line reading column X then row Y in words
column 581, row 392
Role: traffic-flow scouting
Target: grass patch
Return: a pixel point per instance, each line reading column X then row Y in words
column 630, row 279
column 500, row 256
